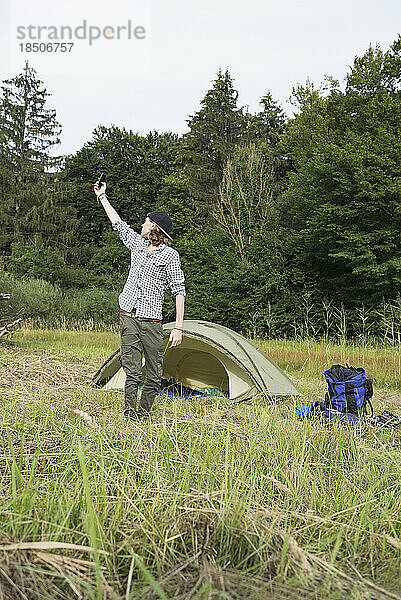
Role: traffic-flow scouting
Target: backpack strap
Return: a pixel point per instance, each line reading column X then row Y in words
column 351, row 404
column 368, row 388
column 371, row 407
column 368, row 394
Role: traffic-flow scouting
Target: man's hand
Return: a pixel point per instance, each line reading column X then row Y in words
column 99, row 189
column 175, row 337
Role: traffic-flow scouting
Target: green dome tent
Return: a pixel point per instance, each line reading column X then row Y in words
column 210, row 356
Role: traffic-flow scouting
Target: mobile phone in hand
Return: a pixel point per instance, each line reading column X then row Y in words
column 100, row 180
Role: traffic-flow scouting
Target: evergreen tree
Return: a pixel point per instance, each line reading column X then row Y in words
column 33, row 201
column 214, row 131
column 268, row 125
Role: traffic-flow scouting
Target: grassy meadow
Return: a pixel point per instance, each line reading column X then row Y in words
column 209, row 500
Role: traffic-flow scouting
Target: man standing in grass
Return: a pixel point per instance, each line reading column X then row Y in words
column 155, row 266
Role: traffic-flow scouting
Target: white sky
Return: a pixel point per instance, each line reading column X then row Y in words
column 157, row 82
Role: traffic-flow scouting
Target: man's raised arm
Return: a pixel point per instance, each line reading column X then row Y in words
column 128, row 236
column 100, row 192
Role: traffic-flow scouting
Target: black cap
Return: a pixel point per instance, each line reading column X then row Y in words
column 162, row 220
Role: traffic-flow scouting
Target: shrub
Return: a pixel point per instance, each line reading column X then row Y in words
column 98, row 304
column 47, row 264
column 39, row 299
column 34, row 297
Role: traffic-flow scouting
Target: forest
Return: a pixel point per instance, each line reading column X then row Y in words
column 287, row 225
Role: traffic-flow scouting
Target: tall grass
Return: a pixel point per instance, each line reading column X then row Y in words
column 308, row 358
column 208, row 500
column 322, row 320
column 305, row 359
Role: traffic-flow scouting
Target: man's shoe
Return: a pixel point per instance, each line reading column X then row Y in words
column 143, row 414
column 135, row 415
column 130, row 414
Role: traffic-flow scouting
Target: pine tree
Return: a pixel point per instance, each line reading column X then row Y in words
column 213, row 133
column 269, row 124
column 33, row 201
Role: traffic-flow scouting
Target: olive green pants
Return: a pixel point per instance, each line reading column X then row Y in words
column 139, row 337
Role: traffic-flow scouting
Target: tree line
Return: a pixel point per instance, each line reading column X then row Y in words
column 272, row 213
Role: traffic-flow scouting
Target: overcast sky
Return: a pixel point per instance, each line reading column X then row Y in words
column 157, row 79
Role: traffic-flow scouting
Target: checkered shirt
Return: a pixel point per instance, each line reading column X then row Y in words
column 150, row 274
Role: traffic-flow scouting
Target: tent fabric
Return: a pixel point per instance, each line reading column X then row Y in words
column 210, row 356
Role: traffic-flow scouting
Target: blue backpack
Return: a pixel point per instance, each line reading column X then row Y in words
column 349, row 390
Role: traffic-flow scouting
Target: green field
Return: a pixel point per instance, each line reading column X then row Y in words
column 208, row 500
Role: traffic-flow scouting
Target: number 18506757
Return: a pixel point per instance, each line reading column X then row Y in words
column 46, row 47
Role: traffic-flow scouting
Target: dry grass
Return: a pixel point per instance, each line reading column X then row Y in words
column 207, row 501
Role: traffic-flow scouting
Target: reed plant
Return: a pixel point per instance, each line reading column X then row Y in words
column 44, row 305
